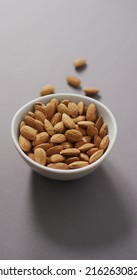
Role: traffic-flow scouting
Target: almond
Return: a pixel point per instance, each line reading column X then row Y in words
column 67, row 145
column 92, row 130
column 39, row 126
column 84, row 157
column 97, row 140
column 47, row 89
column 73, row 109
column 103, row 130
column 62, row 108
column 55, row 102
column 96, row 156
column 65, row 101
column 54, row 150
column 24, row 143
column 70, row 152
column 56, row 118
column 40, row 156
column 49, row 127
column 71, row 159
column 57, row 158
column 29, row 121
column 31, row 114
column 79, row 144
column 92, row 151
column 99, row 123
column 31, row 155
column 91, row 113
column 86, row 147
column 91, row 90
column 73, row 135
column 79, row 62
column 79, row 119
column 73, row 81
column 80, row 107
column 104, row 142
column 85, row 124
column 40, row 107
column 78, row 164
column 42, row 137
column 58, row 165
column 86, row 139
column 82, row 130
column 59, row 127
column 67, row 121
column 28, row 132
column 58, row 138
column 44, row 146
column 50, row 110
column 22, row 124
column 39, row 116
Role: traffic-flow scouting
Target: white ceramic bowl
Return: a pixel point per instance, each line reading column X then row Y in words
column 64, row 174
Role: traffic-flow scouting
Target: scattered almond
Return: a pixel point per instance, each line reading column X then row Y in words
column 79, row 62
column 73, row 81
column 47, row 89
column 90, row 90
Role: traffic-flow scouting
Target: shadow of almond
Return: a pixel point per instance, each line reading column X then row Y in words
column 83, row 213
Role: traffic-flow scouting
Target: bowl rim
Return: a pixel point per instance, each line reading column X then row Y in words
column 62, row 95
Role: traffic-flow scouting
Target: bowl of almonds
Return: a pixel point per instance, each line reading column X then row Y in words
column 64, row 137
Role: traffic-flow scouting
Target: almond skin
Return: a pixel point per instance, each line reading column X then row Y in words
column 68, row 122
column 73, row 109
column 59, row 127
column 103, row 130
column 57, row 158
column 79, row 119
column 58, row 165
column 78, row 164
column 62, row 108
column 91, row 113
column 86, row 147
column 97, row 140
column 31, row 155
column 70, row 152
column 91, row 90
column 96, row 156
column 92, row 130
column 39, row 116
column 47, row 89
column 28, row 132
column 40, row 138
column 80, row 107
column 84, row 157
column 99, row 123
column 24, row 143
column 44, row 146
column 85, row 124
column 58, row 138
column 50, row 110
column 79, row 62
column 49, row 127
column 71, row 159
column 40, row 156
column 54, row 150
column 39, row 126
column 73, row 81
column 73, row 135
column 56, row 118
column 104, row 142
column 92, row 151
column 29, row 121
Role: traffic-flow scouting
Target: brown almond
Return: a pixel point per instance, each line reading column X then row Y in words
column 73, row 109
column 29, row 121
column 54, row 150
column 67, row 145
column 86, row 139
column 31, row 155
column 24, row 143
column 86, row 147
column 91, row 90
column 78, row 164
column 56, row 118
column 91, row 113
column 31, row 114
column 81, row 129
column 80, row 107
column 84, row 157
column 70, row 152
column 40, row 156
column 92, row 151
column 22, row 124
column 55, row 102
column 39, row 126
column 58, row 165
column 58, row 138
column 85, row 124
column 79, row 119
column 65, row 101
column 73, row 81
column 28, row 132
column 104, row 142
column 96, row 156
column 57, row 158
column 99, row 123
column 103, row 130
column 49, row 127
column 71, row 159
column 97, row 140
column 39, row 116
column 79, row 62
column 40, row 107
column 59, row 127
column 44, row 146
column 41, row 137
column 47, row 89
column 92, row 130
column 67, row 121
column 50, row 110
column 79, row 144
column 73, row 135
column 62, row 108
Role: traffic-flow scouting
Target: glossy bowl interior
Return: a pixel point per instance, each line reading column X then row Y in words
column 56, row 173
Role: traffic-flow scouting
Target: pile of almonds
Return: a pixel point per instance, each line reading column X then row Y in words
column 63, row 134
